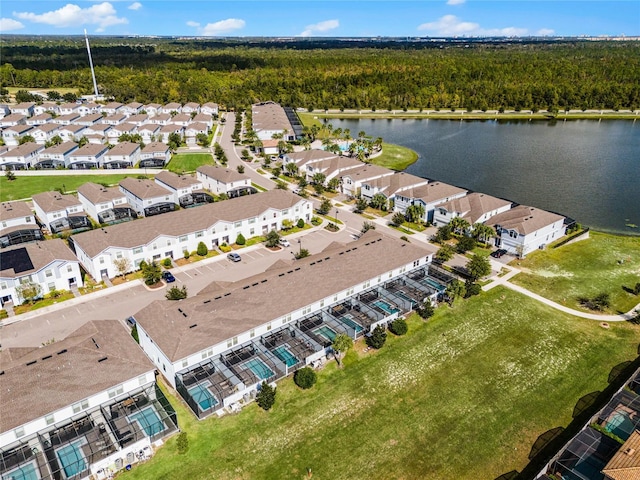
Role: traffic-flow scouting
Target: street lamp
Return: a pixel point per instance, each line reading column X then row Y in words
column 300, row 246
column 337, row 219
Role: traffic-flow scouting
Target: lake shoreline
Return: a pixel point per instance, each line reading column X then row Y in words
column 464, row 115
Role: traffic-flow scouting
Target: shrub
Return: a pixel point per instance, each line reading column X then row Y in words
column 202, row 249
column 300, row 224
column 134, row 333
column 465, row 244
column 377, row 338
column 302, row 253
column 397, row 219
column 182, row 443
column 266, row 396
column 472, row 289
column 405, row 238
column 167, row 262
column 175, row 293
column 425, row 310
column 305, row 378
column 225, row 248
column 240, row 240
column 315, row 221
column 151, row 273
column 186, row 254
column 399, row 327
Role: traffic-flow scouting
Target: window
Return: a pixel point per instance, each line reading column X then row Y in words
column 137, row 250
column 119, row 255
column 306, row 310
column 80, row 406
column 142, row 379
column 237, row 224
column 114, row 392
column 286, row 318
column 285, row 211
column 252, row 333
column 48, row 273
column 252, row 231
column 101, row 260
column 19, row 432
column 200, row 234
column 185, row 363
column 208, row 353
column 252, row 220
column 50, row 419
column 322, row 303
column 27, row 219
column 3, row 285
column 51, row 286
column 335, row 297
column 183, row 239
column 154, row 246
column 416, row 263
column 268, row 326
column 4, row 224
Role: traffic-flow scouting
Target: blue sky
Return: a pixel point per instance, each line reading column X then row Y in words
column 241, row 18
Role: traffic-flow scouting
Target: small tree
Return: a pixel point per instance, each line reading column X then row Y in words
column 305, row 378
column 478, row 266
column 399, row 326
column 361, row 205
column 325, row 206
column 377, row 338
column 29, row 291
column 415, row 213
column 300, row 223
column 272, row 239
column 341, row 343
column 455, row 289
column 471, row 289
column 379, row 201
column 9, row 175
column 366, row 226
column 123, row 265
column 333, row 184
column 465, row 244
column 202, row 249
column 318, row 188
column 240, row 240
column 302, row 253
column 398, row 219
column 266, row 396
column 240, row 168
column 445, row 253
column 175, row 293
column 151, row 273
column 426, row 310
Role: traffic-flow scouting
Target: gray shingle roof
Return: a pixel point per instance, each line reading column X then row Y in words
column 224, row 175
column 524, row 219
column 55, row 201
column 41, row 254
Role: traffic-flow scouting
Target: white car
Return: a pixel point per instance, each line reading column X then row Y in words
column 284, row 242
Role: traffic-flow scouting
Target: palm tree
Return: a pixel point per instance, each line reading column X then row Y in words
column 362, row 134
column 483, row 233
column 346, row 134
column 459, row 225
column 378, row 143
column 291, row 168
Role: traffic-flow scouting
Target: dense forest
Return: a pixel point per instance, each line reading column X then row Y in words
column 386, row 75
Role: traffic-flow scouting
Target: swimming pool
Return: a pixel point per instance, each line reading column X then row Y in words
column 285, row 355
column 149, row 420
column 434, row 284
column 259, row 368
column 348, row 320
column 620, row 425
column 25, row 472
column 71, row 459
column 325, row 332
column 201, row 394
column 386, row 307
column 411, row 301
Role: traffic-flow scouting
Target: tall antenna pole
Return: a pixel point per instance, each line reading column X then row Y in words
column 93, row 73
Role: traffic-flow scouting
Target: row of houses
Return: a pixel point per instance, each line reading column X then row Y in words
column 70, row 155
column 520, row 229
column 32, row 109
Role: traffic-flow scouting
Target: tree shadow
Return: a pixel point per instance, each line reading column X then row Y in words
column 512, row 475
column 543, row 440
column 617, row 371
column 585, row 403
column 628, row 290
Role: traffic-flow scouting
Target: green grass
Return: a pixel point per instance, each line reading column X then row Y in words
column 585, row 269
column 258, row 187
column 188, row 162
column 25, row 187
column 461, row 397
column 395, row 157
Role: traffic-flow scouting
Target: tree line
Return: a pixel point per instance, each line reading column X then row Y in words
column 563, row 75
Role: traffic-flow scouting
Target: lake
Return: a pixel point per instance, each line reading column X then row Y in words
column 584, row 169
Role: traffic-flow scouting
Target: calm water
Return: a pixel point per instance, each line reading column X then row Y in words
column 587, row 170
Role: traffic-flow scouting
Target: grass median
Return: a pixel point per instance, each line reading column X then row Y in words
column 463, row 396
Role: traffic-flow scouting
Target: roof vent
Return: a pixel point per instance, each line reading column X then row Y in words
column 193, row 326
column 290, row 271
column 2, row 372
column 207, row 301
column 218, row 297
column 184, row 315
column 94, row 342
column 295, row 270
column 246, row 286
column 227, row 294
column 265, row 280
column 47, row 357
column 254, row 284
column 62, row 351
column 100, row 360
column 32, row 362
column 630, row 451
column 179, row 309
column 281, row 274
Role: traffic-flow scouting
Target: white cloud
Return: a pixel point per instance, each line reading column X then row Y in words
column 543, row 32
column 135, row 6
column 451, row 26
column 8, row 24
column 193, row 24
column 455, row 2
column 103, row 15
column 320, row 27
column 218, row 28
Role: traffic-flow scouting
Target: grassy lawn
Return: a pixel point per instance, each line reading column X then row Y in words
column 585, row 269
column 45, row 302
column 188, row 162
column 395, row 157
column 25, row 187
column 461, row 397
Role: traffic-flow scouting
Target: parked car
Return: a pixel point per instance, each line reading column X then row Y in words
column 130, row 321
column 168, row 277
column 284, row 242
column 498, row 253
column 234, row 257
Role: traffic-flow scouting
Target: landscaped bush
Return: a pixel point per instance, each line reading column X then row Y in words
column 175, row 293
column 426, row 310
column 266, row 396
column 202, row 249
column 240, row 240
column 472, row 289
column 399, row 327
column 377, row 338
column 182, row 443
column 167, row 262
column 305, row 378
column 599, row 302
column 186, row 254
column 225, row 248
column 465, row 244
column 301, row 225
column 315, row 221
